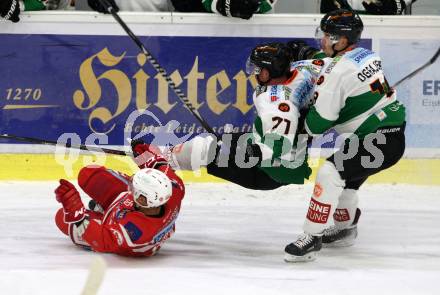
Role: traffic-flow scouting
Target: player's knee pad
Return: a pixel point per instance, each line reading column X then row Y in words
column 195, row 153
column 101, row 184
column 328, row 188
column 346, row 209
column 59, row 221
column 87, row 173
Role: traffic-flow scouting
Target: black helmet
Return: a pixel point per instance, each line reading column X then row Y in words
column 275, row 57
column 343, row 22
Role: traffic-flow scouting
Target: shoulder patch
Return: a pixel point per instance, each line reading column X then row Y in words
column 274, row 93
column 260, row 89
column 133, row 231
column 284, row 107
column 318, row 62
column 332, row 64
column 360, row 55
column 320, row 80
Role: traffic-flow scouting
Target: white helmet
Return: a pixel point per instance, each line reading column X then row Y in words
column 153, row 184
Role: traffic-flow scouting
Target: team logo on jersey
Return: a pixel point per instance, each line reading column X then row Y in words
column 318, row 62
column 320, row 80
column 128, row 203
column 284, row 107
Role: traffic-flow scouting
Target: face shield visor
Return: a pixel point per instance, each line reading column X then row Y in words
column 322, row 38
column 251, row 68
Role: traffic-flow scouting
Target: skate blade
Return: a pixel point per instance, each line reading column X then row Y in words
column 306, row 258
column 339, row 244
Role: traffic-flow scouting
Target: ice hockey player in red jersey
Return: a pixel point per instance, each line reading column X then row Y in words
column 131, row 216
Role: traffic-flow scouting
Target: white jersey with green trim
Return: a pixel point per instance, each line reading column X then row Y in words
column 353, row 96
column 278, row 108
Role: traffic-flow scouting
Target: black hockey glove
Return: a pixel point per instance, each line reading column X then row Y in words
column 330, row 5
column 238, row 8
column 10, row 9
column 100, row 5
column 134, row 146
column 299, row 50
column 188, row 5
column 385, row 7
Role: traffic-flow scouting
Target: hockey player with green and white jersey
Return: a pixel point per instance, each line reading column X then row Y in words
column 274, row 154
column 353, row 98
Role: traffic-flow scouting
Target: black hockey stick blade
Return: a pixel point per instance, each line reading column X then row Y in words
column 415, row 72
column 158, row 68
column 67, row 145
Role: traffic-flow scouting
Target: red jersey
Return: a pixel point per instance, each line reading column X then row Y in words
column 124, row 230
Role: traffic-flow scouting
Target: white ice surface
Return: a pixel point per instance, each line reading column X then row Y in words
column 230, row 241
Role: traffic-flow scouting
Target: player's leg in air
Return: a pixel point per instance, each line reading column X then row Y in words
column 234, row 160
column 102, row 185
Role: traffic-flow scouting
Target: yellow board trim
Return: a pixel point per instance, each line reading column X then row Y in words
column 51, row 167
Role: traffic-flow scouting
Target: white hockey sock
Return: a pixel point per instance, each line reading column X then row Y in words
column 193, row 154
column 328, row 188
column 346, row 209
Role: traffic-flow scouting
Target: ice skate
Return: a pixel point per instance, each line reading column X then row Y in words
column 303, row 249
column 335, row 237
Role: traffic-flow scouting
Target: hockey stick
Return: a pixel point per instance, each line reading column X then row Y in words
column 158, row 67
column 95, row 277
column 412, row 74
column 67, row 145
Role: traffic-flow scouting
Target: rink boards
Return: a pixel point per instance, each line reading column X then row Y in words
column 47, row 167
column 79, row 76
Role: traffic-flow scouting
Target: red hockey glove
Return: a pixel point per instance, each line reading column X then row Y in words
column 68, row 196
column 147, row 156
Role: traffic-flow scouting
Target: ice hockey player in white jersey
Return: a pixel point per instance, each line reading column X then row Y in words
column 354, row 98
column 273, row 154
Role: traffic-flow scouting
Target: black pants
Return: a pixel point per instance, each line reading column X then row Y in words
column 354, row 173
column 251, row 178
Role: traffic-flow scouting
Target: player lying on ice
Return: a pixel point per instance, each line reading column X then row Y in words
column 274, row 154
column 131, row 216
